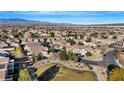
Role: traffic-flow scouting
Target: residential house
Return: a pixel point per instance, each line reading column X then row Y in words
column 6, row 69
column 35, row 48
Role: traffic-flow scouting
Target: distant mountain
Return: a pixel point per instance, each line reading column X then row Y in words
column 24, row 21
column 15, row 20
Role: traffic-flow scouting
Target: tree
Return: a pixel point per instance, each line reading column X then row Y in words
column 88, row 39
column 114, row 37
column 18, row 50
column 52, row 34
column 81, row 36
column 63, row 55
column 19, row 35
column 117, row 74
column 51, row 49
column 24, row 75
column 45, row 39
column 112, row 33
column 90, row 67
column 94, row 34
column 80, row 43
column 75, row 57
column 104, row 36
column 70, row 56
column 88, row 54
column 33, row 58
column 71, row 41
column 39, row 57
column 34, row 35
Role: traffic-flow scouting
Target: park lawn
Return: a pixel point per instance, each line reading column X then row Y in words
column 68, row 74
column 42, row 68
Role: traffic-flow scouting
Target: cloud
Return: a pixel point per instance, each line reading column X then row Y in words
column 43, row 12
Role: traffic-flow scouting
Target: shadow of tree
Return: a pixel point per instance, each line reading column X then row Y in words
column 49, row 74
column 110, row 67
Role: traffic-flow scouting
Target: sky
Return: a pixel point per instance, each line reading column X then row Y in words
column 74, row 17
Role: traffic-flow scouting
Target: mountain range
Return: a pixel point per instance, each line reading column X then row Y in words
column 24, row 21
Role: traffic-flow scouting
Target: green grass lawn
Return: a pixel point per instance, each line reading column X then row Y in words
column 67, row 74
column 42, row 68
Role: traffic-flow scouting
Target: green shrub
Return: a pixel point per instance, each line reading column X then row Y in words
column 63, row 55
column 114, row 37
column 24, row 75
column 88, row 54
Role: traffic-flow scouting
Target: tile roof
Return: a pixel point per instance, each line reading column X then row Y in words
column 31, row 44
column 35, row 47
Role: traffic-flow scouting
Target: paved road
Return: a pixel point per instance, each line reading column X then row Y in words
column 107, row 59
